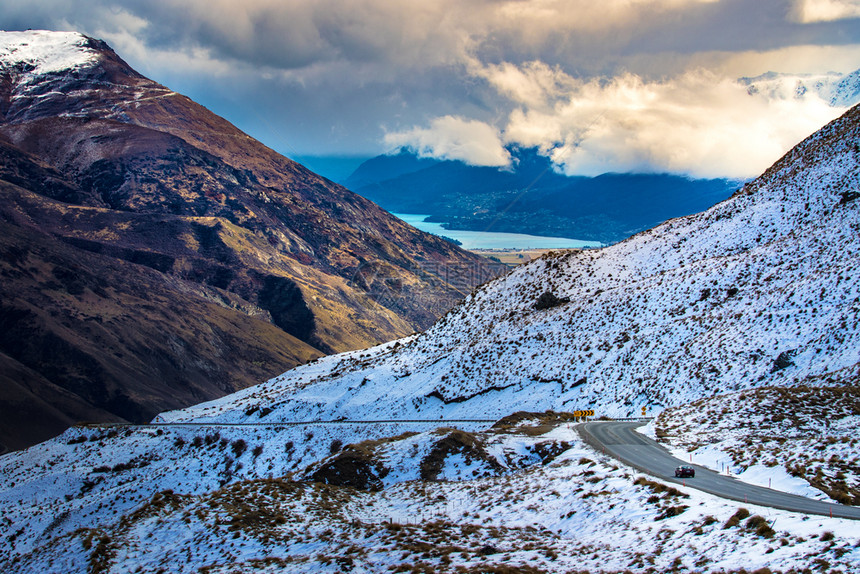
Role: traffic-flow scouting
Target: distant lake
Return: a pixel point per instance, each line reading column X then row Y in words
column 492, row 239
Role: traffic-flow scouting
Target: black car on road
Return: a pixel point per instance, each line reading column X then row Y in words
column 685, row 472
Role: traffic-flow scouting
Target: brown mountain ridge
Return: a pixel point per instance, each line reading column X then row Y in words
column 154, row 256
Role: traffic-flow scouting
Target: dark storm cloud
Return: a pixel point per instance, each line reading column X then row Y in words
column 300, row 33
column 347, row 76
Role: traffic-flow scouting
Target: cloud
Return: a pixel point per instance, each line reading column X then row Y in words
column 538, row 20
column 292, row 34
column 807, row 11
column 697, row 123
column 533, row 84
column 190, row 60
column 454, row 138
column 298, row 34
column 803, row 59
column 295, row 34
column 336, row 76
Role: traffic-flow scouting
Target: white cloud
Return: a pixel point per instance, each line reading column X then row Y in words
column 313, row 68
column 534, row 84
column 807, row 11
column 697, row 123
column 455, row 138
column 536, row 18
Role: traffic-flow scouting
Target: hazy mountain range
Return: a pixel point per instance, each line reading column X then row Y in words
column 532, row 197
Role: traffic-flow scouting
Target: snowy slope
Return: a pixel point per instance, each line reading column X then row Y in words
column 838, row 90
column 142, row 500
column 845, row 92
column 762, row 289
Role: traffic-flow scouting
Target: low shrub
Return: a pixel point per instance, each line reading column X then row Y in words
column 761, row 526
column 671, row 511
column 239, row 446
column 736, row 518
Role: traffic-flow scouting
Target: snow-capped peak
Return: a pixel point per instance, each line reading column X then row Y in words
column 44, row 52
column 838, row 90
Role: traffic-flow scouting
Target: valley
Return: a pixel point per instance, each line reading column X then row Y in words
column 511, row 257
column 489, row 240
column 154, row 256
column 531, row 199
column 322, row 388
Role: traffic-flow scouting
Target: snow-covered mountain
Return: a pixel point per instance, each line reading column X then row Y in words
column 845, row 92
column 838, row 90
column 761, row 292
column 524, row 497
column 762, row 289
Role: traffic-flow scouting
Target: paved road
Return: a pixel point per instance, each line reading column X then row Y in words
column 619, row 440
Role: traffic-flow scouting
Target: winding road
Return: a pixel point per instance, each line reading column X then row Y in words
column 620, row 440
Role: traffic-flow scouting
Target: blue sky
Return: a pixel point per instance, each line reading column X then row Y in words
column 617, row 85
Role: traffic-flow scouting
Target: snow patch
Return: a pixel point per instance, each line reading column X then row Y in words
column 44, row 52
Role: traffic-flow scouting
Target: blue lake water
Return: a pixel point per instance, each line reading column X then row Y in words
column 492, row 239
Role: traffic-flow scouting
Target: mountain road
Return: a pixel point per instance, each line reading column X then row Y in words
column 621, row 441
column 618, row 439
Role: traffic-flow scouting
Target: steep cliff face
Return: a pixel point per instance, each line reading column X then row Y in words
column 118, row 177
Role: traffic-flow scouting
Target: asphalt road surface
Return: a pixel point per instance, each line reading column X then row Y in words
column 620, row 440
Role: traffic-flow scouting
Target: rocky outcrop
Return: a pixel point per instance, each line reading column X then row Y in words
column 353, row 468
